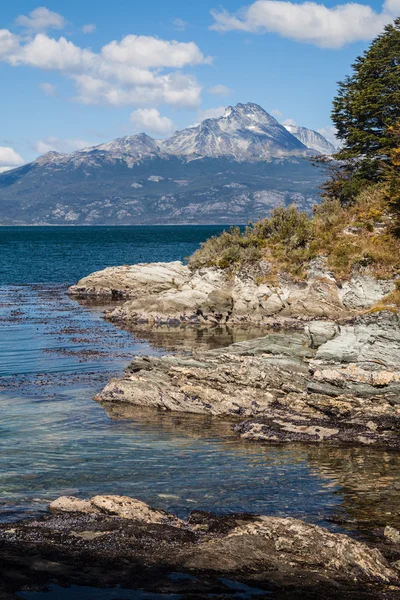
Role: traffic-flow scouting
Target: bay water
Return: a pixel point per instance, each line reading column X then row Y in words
column 56, row 354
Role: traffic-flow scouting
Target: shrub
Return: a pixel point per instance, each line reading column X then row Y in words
column 353, row 237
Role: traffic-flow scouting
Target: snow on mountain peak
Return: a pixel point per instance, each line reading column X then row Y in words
column 244, row 132
column 134, row 145
column 312, row 139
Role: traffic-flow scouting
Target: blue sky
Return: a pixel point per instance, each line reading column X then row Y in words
column 80, row 73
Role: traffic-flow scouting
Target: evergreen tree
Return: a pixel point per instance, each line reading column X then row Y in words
column 365, row 110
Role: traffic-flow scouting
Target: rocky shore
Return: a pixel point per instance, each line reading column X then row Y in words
column 327, row 370
column 172, row 293
column 324, row 370
column 122, row 541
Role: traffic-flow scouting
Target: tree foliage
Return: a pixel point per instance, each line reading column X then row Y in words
column 365, row 111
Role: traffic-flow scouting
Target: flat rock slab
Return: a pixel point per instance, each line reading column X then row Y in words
column 286, row 387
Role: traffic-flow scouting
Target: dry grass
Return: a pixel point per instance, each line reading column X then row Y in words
column 354, row 237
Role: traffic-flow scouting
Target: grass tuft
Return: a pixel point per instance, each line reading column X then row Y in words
column 356, row 237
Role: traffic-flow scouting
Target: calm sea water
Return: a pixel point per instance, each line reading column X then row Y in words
column 55, row 355
column 65, row 254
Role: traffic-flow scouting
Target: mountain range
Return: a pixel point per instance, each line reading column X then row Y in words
column 229, row 169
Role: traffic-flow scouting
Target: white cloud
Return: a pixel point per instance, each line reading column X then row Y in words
column 55, row 144
column 89, row 28
column 179, row 24
column 219, row 90
column 9, row 157
column 48, row 88
column 289, row 122
column 309, row 22
column 329, row 133
column 211, row 113
column 9, row 43
column 138, row 70
column 41, row 19
column 276, row 112
column 151, row 52
column 174, row 89
column 150, row 119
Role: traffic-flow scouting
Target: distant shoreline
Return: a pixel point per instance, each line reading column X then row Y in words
column 137, row 225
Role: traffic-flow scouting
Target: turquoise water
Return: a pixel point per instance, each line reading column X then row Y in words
column 55, row 355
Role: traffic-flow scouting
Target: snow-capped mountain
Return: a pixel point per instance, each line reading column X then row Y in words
column 137, row 146
column 312, row 139
column 229, row 169
column 245, row 132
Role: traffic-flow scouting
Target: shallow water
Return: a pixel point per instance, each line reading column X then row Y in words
column 54, row 439
column 56, row 354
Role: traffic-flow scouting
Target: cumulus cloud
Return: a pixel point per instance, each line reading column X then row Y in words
column 48, row 88
column 151, row 52
column 41, row 19
column 289, row 122
column 219, row 90
column 309, row 22
column 55, row 144
column 149, row 119
column 276, row 112
column 138, row 70
column 89, row 28
column 9, row 157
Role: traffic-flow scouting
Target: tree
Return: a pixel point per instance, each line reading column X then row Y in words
column 366, row 109
column 392, row 176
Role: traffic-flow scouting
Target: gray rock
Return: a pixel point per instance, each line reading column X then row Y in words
column 363, row 291
column 320, row 332
column 170, row 293
column 277, row 380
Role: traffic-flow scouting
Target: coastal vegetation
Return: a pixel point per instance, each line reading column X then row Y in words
column 357, row 224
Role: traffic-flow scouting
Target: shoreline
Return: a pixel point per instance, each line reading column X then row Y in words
column 121, row 541
column 328, row 370
column 20, row 550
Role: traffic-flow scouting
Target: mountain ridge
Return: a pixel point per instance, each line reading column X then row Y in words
column 225, row 170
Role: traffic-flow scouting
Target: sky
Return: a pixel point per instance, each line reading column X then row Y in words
column 80, row 73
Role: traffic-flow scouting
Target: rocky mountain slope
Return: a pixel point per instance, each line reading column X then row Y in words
column 225, row 170
column 246, row 132
column 311, row 139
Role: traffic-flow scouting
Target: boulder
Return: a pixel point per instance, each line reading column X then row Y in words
column 119, row 506
column 319, row 332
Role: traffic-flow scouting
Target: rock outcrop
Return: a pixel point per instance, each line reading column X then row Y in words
column 132, row 281
column 329, row 383
column 145, row 548
column 171, row 293
column 331, row 375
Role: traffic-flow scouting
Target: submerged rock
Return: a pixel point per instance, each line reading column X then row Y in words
column 137, row 550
